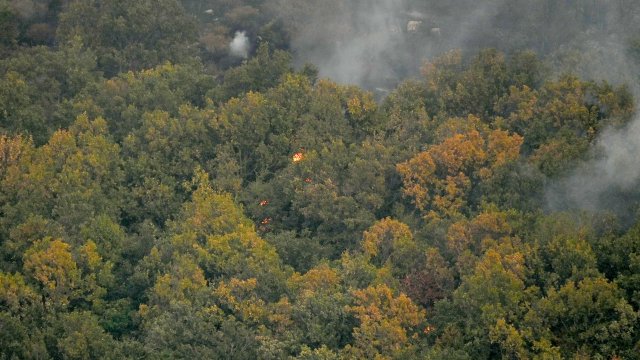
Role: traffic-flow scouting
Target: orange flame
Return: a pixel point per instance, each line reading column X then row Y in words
column 429, row 329
column 264, row 202
column 297, row 157
column 265, row 221
column 308, row 180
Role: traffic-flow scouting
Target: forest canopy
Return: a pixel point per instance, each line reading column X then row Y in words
column 277, row 179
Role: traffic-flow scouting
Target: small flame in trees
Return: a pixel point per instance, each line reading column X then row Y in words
column 264, row 202
column 297, row 157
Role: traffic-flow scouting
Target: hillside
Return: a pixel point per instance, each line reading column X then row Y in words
column 279, row 179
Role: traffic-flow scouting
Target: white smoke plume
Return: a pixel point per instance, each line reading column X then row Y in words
column 239, row 46
column 355, row 41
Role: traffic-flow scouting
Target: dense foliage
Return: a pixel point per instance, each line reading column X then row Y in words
column 161, row 199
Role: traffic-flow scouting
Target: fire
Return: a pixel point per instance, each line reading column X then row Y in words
column 308, row 180
column 297, row 157
column 429, row 329
column 266, row 221
column 264, row 202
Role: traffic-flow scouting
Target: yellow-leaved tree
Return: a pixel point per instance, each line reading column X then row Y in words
column 388, row 324
column 441, row 180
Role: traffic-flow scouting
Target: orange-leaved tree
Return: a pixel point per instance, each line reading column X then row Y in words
column 441, row 180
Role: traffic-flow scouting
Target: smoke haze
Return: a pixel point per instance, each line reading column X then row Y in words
column 606, row 183
column 609, row 180
column 377, row 43
column 372, row 42
column 356, row 42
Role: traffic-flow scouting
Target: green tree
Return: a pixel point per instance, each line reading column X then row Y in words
column 127, row 36
column 388, row 324
column 261, row 72
column 317, row 309
column 390, row 243
column 215, row 232
column 589, row 318
column 77, row 335
column 38, row 83
column 489, row 301
column 50, row 264
column 8, row 29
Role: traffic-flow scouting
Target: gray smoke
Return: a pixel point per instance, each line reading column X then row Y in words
column 239, row 46
column 356, row 42
column 378, row 43
column 608, row 182
column 370, row 43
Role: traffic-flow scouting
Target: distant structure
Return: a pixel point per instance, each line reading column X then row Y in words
column 413, row 26
column 420, row 23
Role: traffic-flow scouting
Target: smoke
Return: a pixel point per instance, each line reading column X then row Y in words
column 371, row 43
column 239, row 46
column 608, row 182
column 355, row 42
column 378, row 43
